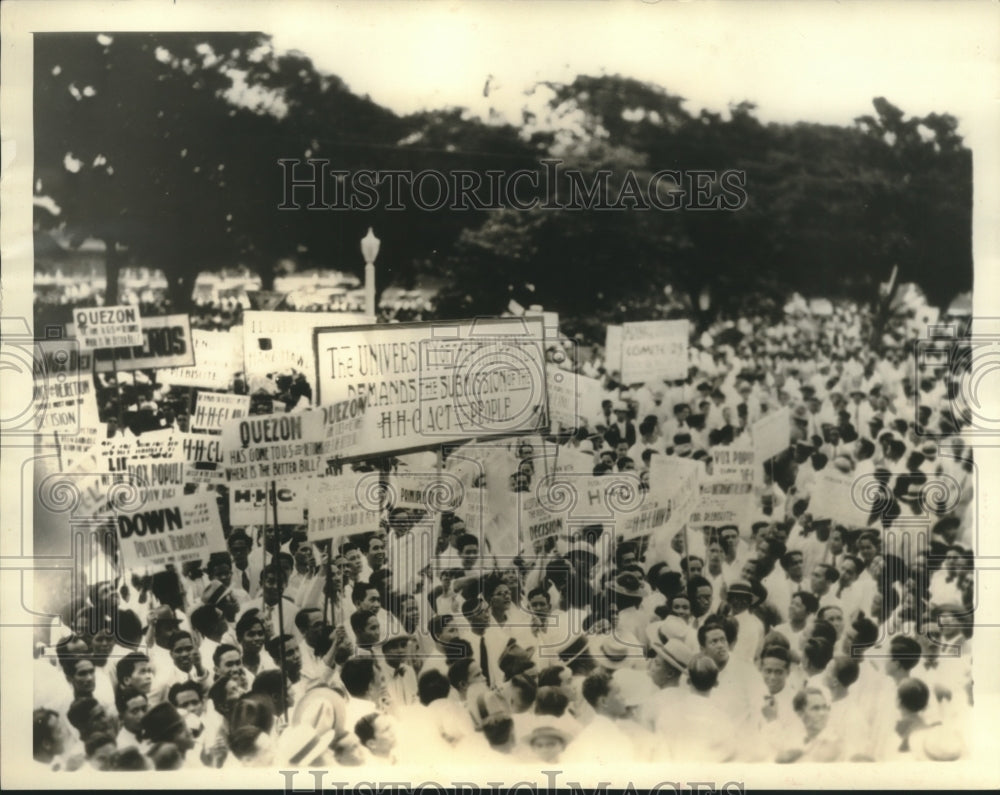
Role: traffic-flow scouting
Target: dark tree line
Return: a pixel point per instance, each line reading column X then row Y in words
column 166, row 148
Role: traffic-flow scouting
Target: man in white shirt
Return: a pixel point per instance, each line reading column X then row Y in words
column 603, row 740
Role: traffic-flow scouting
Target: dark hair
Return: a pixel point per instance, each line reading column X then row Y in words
column 358, row 620
column 41, row 728
column 458, row 673
column 497, row 731
column 270, row 683
column 365, row 727
column 431, row 686
column 126, row 665
column 904, row 651
column 217, row 693
column 128, row 759
column 69, row 659
column 802, row 697
column 550, row 700
column 274, row 645
column 125, row 694
column 179, row 687
column 703, row 672
column 177, row 635
column 809, row 601
column 203, row 619
column 360, row 590
column 596, row 686
column 818, row 652
column 778, row 653
column 551, row 676
column 302, row 620
column 248, row 619
column 79, row 711
column 95, row 741
column 358, row 675
column 465, row 540
column 913, row 694
column 222, row 648
column 254, row 709
column 865, row 631
column 845, row 670
column 825, row 630
column 729, row 627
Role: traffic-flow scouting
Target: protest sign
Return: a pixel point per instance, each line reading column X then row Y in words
column 537, row 522
column 573, row 398
column 63, row 397
column 72, row 446
column 213, row 409
column 336, row 509
column 673, row 491
column 570, row 460
column 204, row 458
column 155, row 461
column 166, row 342
column 425, row 491
column 613, row 348
column 218, row 357
column 831, row 498
column 772, row 433
column 281, row 343
column 107, row 327
column 654, row 350
column 726, row 496
column 170, row 531
column 253, row 503
column 267, row 446
column 423, row 384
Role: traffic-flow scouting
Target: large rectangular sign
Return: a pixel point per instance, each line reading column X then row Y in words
column 772, row 433
column 170, row 531
column 654, row 350
column 63, row 395
column 213, row 409
column 267, row 446
column 218, row 357
column 424, row 384
column 107, row 327
column 338, row 506
column 281, row 343
column 166, row 342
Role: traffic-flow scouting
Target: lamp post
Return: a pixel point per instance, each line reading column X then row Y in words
column 369, row 250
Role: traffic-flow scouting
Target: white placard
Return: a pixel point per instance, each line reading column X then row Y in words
column 338, row 507
column 654, row 350
column 282, row 343
column 251, row 504
column 426, row 384
column 170, row 531
column 213, row 409
column 63, row 398
column 268, row 446
column 107, row 327
column 772, row 433
column 218, row 357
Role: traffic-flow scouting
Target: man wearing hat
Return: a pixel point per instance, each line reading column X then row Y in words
column 741, row 596
column 666, row 666
column 622, row 429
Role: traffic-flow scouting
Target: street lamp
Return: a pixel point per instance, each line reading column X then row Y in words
column 369, row 250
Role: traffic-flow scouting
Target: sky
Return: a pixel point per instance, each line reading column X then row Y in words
column 816, row 61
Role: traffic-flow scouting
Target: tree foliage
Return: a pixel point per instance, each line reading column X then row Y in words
column 166, row 146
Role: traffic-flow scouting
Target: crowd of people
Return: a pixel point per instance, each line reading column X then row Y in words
column 791, row 639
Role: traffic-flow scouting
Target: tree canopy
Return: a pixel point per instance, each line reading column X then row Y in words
column 166, row 146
